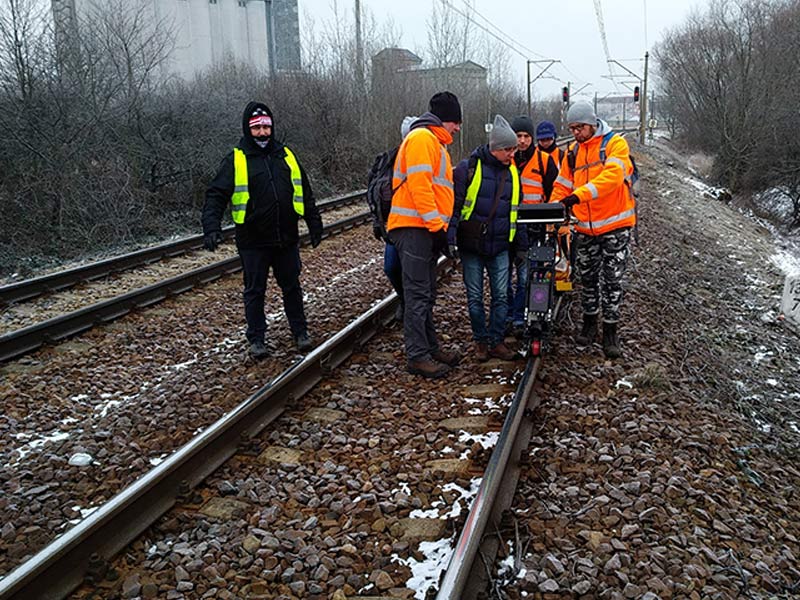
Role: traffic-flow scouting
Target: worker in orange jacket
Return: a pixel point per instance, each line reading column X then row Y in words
column 595, row 181
column 422, row 205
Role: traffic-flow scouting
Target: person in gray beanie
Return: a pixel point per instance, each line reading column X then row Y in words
column 582, row 112
column 595, row 181
column 482, row 229
column 502, row 135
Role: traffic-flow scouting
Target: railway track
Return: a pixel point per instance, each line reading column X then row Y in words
column 26, row 339
column 173, row 485
column 65, row 279
column 459, row 576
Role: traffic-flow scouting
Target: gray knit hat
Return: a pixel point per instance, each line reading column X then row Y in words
column 581, row 112
column 502, row 135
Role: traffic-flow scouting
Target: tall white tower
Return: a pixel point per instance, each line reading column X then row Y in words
column 206, row 32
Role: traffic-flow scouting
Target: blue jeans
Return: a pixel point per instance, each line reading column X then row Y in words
column 516, row 294
column 393, row 268
column 473, row 266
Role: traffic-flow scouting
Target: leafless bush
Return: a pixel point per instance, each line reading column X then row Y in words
column 731, row 78
column 99, row 147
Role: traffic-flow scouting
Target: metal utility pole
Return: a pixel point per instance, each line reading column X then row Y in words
column 643, row 100
column 270, row 38
column 530, row 81
column 359, row 50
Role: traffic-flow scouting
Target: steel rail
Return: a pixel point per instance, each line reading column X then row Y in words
column 463, row 574
column 60, row 567
column 25, row 340
column 30, row 288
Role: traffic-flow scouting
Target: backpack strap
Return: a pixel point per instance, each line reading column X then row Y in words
column 572, row 154
column 603, row 145
column 472, row 163
column 541, row 164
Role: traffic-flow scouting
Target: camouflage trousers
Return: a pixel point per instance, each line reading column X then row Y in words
column 601, row 261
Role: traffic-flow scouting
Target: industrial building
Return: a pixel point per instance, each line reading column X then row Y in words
column 261, row 33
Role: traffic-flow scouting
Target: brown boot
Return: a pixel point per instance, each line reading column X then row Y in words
column 428, row 368
column 481, row 352
column 451, row 359
column 502, row 352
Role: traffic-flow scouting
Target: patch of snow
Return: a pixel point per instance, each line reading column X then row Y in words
column 425, row 573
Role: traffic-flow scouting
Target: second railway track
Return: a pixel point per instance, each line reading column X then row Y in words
column 80, row 309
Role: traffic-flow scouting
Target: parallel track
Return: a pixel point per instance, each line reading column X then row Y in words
column 31, row 288
column 27, row 339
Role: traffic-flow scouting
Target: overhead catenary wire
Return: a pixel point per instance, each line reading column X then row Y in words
column 487, row 30
column 598, row 11
column 501, row 32
column 498, row 32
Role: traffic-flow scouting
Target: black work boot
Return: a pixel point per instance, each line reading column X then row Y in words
column 588, row 331
column 258, row 350
column 611, row 341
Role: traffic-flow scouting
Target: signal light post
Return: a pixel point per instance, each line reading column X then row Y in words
column 637, row 97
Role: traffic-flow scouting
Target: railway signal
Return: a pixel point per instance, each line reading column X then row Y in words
column 565, row 94
column 636, row 94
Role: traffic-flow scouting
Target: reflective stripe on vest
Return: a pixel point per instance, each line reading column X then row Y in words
column 603, row 222
column 297, row 181
column 241, row 195
column 472, row 196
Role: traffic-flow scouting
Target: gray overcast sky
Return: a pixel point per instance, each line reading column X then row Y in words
column 541, row 26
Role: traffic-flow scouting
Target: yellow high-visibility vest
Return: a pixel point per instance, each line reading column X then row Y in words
column 472, row 196
column 240, row 191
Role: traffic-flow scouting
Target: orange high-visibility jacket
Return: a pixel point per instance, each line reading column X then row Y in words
column 606, row 201
column 531, row 176
column 423, row 181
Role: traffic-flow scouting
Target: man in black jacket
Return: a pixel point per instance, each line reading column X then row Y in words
column 268, row 192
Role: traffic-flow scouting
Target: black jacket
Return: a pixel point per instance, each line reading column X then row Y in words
column 270, row 219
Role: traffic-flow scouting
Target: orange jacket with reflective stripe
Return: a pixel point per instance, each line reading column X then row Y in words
column 532, row 178
column 606, row 201
column 423, row 181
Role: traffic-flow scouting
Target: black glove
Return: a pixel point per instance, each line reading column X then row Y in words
column 450, row 251
column 315, row 236
column 520, row 256
column 377, row 232
column 571, row 201
column 440, row 241
column 212, row 240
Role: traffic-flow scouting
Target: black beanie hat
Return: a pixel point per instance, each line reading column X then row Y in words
column 522, row 123
column 445, row 106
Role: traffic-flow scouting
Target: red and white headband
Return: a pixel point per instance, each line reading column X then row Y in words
column 261, row 120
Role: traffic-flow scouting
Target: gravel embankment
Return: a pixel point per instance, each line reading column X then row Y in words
column 674, row 472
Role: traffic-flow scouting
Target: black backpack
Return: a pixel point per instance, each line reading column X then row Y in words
column 379, row 188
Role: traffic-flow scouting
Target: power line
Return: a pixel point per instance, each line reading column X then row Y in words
column 484, row 28
column 598, row 11
column 528, row 50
